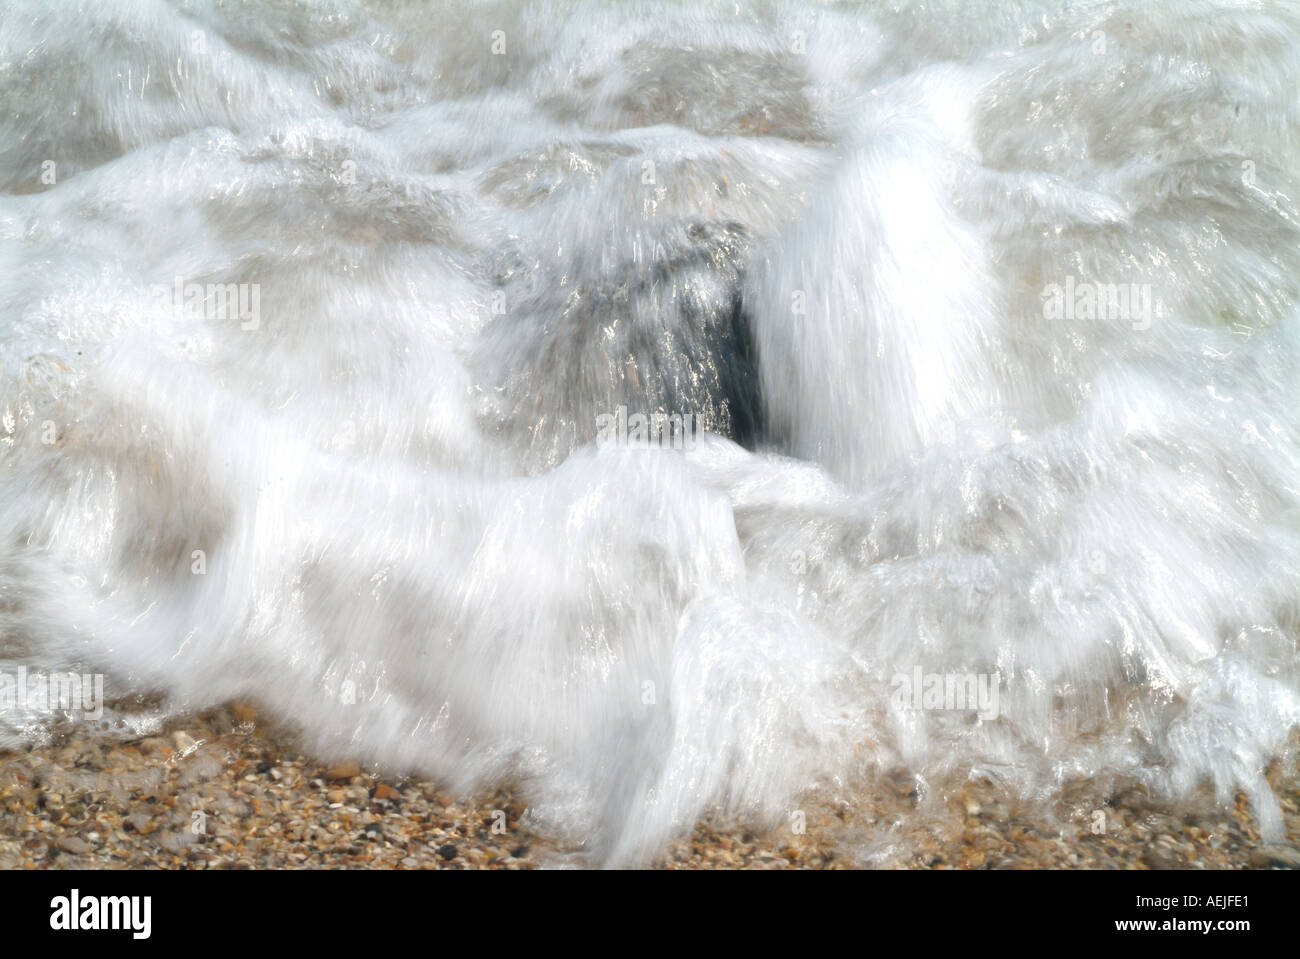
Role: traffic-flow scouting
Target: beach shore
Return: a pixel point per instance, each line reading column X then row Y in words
column 223, row 791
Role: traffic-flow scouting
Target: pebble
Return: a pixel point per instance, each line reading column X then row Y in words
column 243, row 713
column 1156, row 860
column 343, row 771
column 1271, row 857
column 137, row 801
column 75, row 844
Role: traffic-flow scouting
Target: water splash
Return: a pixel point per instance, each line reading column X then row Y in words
column 376, row 503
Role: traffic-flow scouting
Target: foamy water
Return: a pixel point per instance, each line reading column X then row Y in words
column 314, row 320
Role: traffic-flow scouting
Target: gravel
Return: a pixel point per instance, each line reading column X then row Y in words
column 220, row 791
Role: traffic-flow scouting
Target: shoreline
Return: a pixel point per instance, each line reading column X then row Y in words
column 219, row 791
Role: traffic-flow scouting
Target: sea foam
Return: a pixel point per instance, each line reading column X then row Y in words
column 837, row 237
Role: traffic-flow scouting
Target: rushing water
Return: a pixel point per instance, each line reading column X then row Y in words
column 315, row 317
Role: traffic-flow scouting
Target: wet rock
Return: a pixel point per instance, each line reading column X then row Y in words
column 75, row 845
column 343, row 771
column 1159, row 860
column 1275, row 857
column 243, row 713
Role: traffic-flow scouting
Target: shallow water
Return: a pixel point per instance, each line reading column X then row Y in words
column 986, row 315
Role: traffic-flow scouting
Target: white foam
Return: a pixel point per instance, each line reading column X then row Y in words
column 412, row 549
